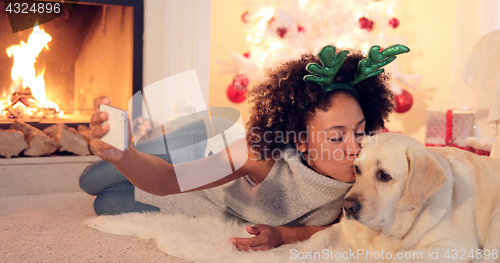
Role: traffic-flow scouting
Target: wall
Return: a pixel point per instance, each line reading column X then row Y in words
column 427, row 25
column 176, row 39
column 226, row 34
column 474, row 19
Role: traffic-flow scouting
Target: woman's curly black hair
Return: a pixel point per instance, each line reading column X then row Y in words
column 284, row 103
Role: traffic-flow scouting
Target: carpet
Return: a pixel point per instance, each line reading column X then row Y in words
column 50, row 228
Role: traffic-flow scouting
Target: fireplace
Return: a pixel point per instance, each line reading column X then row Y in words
column 95, row 49
column 176, row 39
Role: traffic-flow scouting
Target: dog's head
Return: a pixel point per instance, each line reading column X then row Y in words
column 394, row 174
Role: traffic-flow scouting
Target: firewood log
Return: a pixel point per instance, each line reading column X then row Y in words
column 85, row 131
column 22, row 127
column 73, row 141
column 54, row 131
column 11, row 143
column 69, row 139
column 39, row 144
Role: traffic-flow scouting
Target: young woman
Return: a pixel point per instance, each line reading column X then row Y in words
column 301, row 140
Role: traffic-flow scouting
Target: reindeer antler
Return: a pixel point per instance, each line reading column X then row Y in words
column 368, row 67
column 325, row 75
column 372, row 65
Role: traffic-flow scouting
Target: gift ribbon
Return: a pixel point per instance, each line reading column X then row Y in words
column 448, row 133
column 452, row 145
column 449, row 127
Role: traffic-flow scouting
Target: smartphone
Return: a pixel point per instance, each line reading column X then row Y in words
column 118, row 130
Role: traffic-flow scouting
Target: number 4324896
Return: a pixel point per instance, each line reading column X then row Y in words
column 41, row 8
column 473, row 253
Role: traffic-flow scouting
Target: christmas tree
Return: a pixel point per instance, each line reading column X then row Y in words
column 282, row 30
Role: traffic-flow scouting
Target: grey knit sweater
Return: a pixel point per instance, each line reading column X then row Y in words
column 291, row 195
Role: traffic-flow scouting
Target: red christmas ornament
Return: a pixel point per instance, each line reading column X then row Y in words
column 236, row 92
column 403, row 102
column 244, row 17
column 246, row 54
column 281, row 31
column 240, row 82
column 365, row 23
column 394, row 22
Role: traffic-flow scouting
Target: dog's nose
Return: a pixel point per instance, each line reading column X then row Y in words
column 351, row 206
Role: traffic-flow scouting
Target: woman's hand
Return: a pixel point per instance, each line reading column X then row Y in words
column 266, row 237
column 97, row 130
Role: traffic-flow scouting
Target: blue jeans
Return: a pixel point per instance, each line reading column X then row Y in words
column 115, row 194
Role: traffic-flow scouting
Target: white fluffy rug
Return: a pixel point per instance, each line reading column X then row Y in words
column 206, row 239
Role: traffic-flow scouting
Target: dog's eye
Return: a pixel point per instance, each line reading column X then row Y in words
column 384, row 177
column 356, row 169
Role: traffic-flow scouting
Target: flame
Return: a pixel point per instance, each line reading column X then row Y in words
column 23, row 73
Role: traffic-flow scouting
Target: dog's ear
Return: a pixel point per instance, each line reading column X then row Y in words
column 425, row 175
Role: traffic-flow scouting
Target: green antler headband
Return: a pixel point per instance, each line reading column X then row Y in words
column 368, row 67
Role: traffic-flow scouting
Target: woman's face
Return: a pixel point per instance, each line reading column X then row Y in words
column 333, row 138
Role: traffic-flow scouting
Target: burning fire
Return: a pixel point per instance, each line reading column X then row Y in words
column 28, row 98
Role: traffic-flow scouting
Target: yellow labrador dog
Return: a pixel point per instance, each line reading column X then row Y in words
column 411, row 203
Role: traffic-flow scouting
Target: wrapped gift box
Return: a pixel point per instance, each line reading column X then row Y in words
column 473, row 144
column 448, row 127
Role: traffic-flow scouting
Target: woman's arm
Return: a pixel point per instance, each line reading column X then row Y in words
column 156, row 176
column 267, row 237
